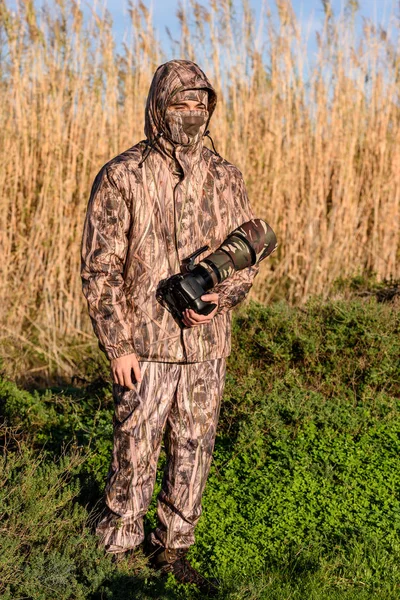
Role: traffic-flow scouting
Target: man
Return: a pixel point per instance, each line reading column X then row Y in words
column 150, row 207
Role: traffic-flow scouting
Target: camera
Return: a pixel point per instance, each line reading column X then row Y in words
column 245, row 246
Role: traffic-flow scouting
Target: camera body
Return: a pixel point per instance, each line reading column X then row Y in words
column 181, row 292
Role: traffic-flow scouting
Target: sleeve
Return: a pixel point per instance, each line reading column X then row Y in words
column 103, row 253
column 234, row 290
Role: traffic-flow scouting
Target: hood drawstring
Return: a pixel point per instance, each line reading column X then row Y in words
column 207, row 134
column 149, row 148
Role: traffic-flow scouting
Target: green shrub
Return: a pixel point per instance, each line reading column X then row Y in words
column 305, row 470
column 54, row 417
column 46, row 547
column 303, row 497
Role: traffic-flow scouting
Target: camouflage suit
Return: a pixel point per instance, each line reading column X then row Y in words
column 150, row 207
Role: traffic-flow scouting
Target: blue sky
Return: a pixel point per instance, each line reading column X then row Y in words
column 310, row 13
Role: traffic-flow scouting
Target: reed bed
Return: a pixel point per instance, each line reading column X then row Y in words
column 316, row 137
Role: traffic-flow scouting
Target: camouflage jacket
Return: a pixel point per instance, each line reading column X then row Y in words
column 149, row 208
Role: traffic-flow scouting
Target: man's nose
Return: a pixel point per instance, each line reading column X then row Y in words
column 191, row 125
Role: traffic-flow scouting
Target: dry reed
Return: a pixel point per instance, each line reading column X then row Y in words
column 317, row 142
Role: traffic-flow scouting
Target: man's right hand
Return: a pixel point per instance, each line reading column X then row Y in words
column 121, row 370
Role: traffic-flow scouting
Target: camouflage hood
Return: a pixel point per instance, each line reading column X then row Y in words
column 170, row 79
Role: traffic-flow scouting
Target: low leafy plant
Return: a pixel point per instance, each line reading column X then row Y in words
column 303, row 496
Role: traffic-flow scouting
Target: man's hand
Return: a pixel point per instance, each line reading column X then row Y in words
column 192, row 318
column 121, row 370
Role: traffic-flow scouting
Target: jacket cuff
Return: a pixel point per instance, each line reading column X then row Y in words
column 234, row 290
column 227, row 301
column 125, row 347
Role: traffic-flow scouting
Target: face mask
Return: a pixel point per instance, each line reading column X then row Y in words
column 184, row 125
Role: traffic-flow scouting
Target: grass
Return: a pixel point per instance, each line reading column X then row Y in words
column 303, row 495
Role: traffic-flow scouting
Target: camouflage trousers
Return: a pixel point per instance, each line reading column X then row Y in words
column 183, row 402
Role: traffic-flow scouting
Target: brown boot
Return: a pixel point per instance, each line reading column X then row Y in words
column 169, row 560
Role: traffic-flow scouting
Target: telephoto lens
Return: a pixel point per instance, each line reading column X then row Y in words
column 245, row 246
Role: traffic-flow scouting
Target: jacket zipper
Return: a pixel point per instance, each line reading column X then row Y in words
column 179, row 263
column 175, row 238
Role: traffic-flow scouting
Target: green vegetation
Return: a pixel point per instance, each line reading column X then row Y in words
column 303, row 500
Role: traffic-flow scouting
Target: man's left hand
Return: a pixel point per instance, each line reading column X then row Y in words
column 192, row 318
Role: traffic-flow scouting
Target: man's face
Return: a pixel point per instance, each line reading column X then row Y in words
column 186, row 114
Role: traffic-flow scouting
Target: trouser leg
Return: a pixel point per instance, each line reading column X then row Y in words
column 138, row 423
column 190, row 437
